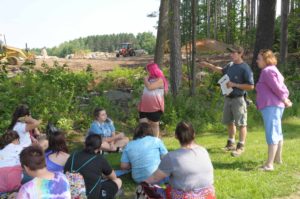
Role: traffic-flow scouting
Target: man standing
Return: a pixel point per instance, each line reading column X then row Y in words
column 235, row 106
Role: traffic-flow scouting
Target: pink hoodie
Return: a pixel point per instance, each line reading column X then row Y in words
column 270, row 88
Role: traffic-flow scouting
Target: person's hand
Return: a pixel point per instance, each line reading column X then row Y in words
column 34, row 141
column 288, row 103
column 231, row 84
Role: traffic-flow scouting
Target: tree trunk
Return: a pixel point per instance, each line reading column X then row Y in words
column 253, row 13
column 162, row 31
column 292, row 6
column 175, row 47
column 229, row 28
column 284, row 31
column 208, row 18
column 194, row 26
column 248, row 16
column 216, row 21
column 242, row 19
column 265, row 30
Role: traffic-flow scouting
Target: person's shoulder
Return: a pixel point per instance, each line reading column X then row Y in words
column 201, row 148
column 79, row 155
column 273, row 70
column 229, row 64
column 109, row 121
column 63, row 154
column 59, row 175
column 28, row 185
column 19, row 126
column 13, row 147
column 244, row 65
column 94, row 123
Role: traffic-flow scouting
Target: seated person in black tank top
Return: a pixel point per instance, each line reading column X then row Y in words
column 96, row 168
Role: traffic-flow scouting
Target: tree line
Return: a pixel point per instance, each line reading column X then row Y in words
column 103, row 43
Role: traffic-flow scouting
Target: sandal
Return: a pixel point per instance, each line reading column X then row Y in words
column 267, row 169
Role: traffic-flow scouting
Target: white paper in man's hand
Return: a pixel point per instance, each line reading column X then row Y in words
column 223, row 83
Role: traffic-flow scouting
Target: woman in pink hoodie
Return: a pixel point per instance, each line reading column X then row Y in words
column 272, row 98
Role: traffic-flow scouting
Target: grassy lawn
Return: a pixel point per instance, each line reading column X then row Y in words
column 239, row 177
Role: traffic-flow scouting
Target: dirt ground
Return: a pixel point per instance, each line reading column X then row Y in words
column 98, row 65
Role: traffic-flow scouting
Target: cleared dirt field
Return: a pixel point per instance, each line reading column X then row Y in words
column 98, row 65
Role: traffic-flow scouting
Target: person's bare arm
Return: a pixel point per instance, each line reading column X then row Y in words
column 212, row 67
column 245, row 87
column 157, row 176
column 153, row 85
column 125, row 166
column 31, row 123
column 112, row 176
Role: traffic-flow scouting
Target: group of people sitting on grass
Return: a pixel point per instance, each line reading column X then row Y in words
column 33, row 165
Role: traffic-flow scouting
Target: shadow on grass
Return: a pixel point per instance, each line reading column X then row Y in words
column 291, row 130
column 237, row 165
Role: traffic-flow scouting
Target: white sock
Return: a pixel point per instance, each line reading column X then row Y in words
column 241, row 142
column 232, row 140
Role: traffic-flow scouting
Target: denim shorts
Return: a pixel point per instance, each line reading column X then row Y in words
column 272, row 120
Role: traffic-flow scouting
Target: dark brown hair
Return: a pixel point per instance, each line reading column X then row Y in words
column 142, row 130
column 185, row 133
column 7, row 138
column 57, row 142
column 97, row 112
column 33, row 158
column 20, row 111
column 92, row 142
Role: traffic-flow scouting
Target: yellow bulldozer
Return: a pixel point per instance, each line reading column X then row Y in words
column 13, row 56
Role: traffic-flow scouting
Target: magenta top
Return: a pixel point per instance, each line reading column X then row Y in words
column 270, row 88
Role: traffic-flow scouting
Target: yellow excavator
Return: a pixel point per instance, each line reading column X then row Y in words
column 12, row 55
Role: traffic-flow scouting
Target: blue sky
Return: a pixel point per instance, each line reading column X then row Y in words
column 51, row 22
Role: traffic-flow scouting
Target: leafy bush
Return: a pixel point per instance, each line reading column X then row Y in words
column 60, row 96
column 50, row 93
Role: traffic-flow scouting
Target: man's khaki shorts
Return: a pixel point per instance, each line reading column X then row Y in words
column 235, row 111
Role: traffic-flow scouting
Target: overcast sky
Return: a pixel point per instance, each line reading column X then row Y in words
column 50, row 22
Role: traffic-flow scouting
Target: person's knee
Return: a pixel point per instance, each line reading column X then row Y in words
column 118, row 181
column 105, row 146
column 121, row 135
column 126, row 139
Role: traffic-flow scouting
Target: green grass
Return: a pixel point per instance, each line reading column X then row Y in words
column 239, row 177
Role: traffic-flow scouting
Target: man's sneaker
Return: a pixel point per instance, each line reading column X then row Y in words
column 239, row 150
column 229, row 146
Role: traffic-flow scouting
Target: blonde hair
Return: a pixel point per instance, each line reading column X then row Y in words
column 268, row 56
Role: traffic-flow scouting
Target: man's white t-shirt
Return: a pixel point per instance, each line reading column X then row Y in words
column 9, row 155
column 25, row 140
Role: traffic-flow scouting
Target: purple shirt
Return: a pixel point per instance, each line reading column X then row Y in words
column 270, row 88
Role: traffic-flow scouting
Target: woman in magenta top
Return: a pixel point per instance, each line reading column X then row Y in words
column 272, row 98
column 152, row 103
